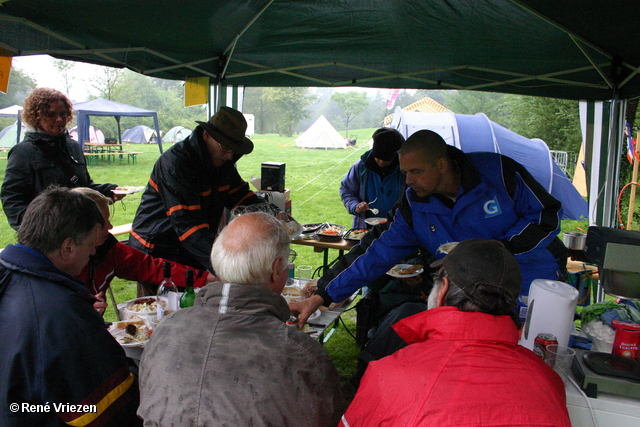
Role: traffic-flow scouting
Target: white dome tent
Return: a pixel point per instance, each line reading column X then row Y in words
column 478, row 133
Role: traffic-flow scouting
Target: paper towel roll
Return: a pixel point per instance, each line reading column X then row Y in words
column 552, row 306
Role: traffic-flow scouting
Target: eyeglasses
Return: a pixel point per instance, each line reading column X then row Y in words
column 52, row 115
column 225, row 150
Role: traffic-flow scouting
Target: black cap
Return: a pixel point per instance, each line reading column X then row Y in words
column 480, row 261
column 386, row 143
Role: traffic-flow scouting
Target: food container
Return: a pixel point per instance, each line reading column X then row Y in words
column 140, row 307
column 330, row 233
column 575, row 241
column 311, row 228
column 355, row 234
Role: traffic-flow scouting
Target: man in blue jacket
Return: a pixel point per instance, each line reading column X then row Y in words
column 375, row 177
column 453, row 197
column 58, row 364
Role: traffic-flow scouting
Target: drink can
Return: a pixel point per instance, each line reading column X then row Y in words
column 541, row 342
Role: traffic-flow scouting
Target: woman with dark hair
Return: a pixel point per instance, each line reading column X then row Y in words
column 47, row 155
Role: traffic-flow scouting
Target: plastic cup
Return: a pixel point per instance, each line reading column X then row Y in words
column 559, row 358
column 304, row 272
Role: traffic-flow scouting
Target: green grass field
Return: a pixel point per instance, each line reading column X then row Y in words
column 313, row 176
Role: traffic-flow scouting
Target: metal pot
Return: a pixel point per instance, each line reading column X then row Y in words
column 575, row 241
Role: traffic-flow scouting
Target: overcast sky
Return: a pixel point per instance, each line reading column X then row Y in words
column 42, row 70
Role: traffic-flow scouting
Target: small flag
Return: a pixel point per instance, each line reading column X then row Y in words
column 393, row 95
column 5, row 70
column 196, row 91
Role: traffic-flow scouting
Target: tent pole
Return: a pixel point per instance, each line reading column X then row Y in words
column 634, row 178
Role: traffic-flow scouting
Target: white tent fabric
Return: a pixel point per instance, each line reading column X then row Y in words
column 321, row 135
column 9, row 135
column 176, row 134
column 96, row 136
column 478, row 133
column 18, row 129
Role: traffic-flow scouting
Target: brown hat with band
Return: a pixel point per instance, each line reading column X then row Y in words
column 228, row 127
column 480, row 261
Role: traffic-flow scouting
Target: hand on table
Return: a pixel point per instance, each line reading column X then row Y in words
column 101, row 305
column 305, row 308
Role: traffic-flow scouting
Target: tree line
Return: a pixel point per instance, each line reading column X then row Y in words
column 291, row 110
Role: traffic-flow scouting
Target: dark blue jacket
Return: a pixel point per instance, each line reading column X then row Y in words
column 362, row 183
column 498, row 199
column 55, row 349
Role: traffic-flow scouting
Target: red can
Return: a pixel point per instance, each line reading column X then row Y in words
column 541, row 342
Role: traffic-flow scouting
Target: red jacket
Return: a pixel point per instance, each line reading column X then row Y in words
column 116, row 259
column 460, row 369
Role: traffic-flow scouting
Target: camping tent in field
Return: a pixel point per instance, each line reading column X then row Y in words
column 105, row 107
column 96, row 136
column 140, row 134
column 321, row 135
column 9, row 136
column 18, row 128
column 478, row 133
column 176, row 134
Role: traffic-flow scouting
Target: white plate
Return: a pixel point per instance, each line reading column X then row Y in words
column 315, row 315
column 404, row 276
column 128, row 190
column 119, row 334
column 375, row 220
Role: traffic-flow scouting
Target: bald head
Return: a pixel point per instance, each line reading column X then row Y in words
column 249, row 249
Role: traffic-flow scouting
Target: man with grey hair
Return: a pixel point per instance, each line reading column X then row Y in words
column 231, row 359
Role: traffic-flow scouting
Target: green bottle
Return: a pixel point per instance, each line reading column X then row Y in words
column 186, row 300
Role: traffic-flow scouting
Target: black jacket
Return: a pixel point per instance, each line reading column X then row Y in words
column 183, row 204
column 37, row 162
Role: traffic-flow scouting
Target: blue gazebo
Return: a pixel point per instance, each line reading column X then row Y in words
column 104, row 107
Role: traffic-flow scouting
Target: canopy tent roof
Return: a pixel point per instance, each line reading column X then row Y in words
column 321, row 134
column 568, row 49
column 12, row 111
column 478, row 133
column 105, row 107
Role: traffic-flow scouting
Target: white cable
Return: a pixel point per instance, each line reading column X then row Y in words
column 586, row 398
column 327, row 170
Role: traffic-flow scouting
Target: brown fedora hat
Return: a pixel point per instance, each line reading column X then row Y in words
column 228, row 127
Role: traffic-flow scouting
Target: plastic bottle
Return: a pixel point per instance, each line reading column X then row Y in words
column 167, row 293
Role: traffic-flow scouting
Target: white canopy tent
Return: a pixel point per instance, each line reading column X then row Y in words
column 321, row 135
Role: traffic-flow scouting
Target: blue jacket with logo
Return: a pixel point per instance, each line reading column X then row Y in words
column 498, row 199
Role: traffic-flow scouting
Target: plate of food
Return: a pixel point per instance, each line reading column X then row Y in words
column 131, row 333
column 127, row 190
column 330, row 233
column 355, row 234
column 403, row 271
column 375, row 220
column 314, row 315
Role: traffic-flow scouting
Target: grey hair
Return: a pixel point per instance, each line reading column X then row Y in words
column 251, row 264
column 94, row 195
